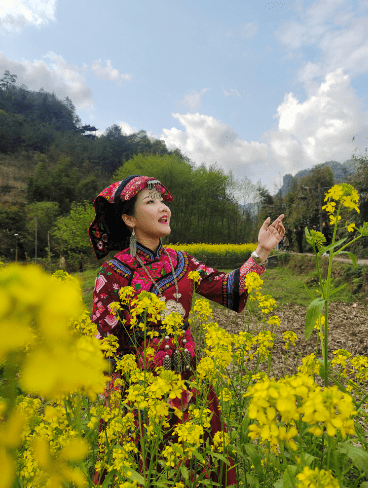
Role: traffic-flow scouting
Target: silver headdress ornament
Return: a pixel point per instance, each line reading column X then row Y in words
column 154, row 187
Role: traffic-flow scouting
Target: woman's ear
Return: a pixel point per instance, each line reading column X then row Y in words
column 128, row 220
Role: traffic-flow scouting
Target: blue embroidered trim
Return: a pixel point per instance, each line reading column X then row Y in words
column 122, row 269
column 230, row 289
column 148, row 254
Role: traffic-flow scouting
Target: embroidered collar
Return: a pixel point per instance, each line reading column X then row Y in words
column 148, row 254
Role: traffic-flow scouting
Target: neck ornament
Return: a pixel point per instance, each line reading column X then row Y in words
column 171, row 305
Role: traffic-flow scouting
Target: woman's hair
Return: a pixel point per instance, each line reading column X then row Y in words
column 119, row 233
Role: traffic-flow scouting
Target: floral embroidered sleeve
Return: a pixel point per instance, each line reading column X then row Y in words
column 106, row 292
column 227, row 289
column 250, row 266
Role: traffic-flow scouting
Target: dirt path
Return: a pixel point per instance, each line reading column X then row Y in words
column 361, row 262
column 348, row 330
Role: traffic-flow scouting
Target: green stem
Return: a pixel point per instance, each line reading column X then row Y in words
column 348, row 244
column 327, row 297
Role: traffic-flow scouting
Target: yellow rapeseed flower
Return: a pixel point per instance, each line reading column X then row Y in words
column 316, row 478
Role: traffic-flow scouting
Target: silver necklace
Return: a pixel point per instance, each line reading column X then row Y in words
column 171, row 305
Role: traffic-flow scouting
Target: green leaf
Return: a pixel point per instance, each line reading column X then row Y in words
column 279, row 483
column 255, row 459
column 364, row 229
column 252, row 480
column 331, row 246
column 364, row 484
column 289, row 476
column 322, row 368
column 351, row 256
column 198, row 455
column 133, row 475
column 306, row 459
column 221, row 457
column 109, row 477
column 184, row 472
column 357, row 455
column 313, row 312
column 332, row 292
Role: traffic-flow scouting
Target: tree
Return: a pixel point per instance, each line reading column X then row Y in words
column 12, row 221
column 204, row 209
column 57, row 184
column 71, row 231
column 8, row 80
column 304, row 199
column 40, row 216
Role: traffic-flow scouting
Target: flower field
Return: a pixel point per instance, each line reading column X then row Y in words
column 64, row 421
column 218, row 255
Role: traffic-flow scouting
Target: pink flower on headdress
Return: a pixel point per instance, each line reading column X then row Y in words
column 100, row 245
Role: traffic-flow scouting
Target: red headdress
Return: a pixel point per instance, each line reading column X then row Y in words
column 107, row 231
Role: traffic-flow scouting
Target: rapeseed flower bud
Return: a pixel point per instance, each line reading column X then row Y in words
column 289, row 336
column 202, row 309
column 341, row 356
column 360, row 368
column 173, row 324
column 220, row 441
column 189, row 433
column 195, row 276
column 310, row 365
column 253, row 282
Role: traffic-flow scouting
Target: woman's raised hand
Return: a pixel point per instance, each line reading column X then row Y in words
column 270, row 235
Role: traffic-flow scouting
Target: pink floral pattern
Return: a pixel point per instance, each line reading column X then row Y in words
column 249, row 266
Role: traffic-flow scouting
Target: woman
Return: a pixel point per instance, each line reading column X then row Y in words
column 134, row 213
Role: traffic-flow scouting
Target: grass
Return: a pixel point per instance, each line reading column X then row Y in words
column 287, row 286
column 88, row 278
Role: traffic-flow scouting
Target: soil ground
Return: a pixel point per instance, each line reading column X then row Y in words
column 348, row 330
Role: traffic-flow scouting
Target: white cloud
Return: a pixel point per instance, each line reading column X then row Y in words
column 15, row 14
column 57, row 76
column 208, row 140
column 127, row 129
column 319, row 129
column 109, row 73
column 340, row 34
column 192, row 100
column 233, row 92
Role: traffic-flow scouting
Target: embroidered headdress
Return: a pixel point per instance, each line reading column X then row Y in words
column 108, row 232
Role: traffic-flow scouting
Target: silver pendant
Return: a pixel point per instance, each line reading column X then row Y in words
column 173, row 306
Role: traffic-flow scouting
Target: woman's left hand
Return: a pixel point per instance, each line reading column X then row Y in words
column 270, row 235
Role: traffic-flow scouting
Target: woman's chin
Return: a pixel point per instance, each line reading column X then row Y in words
column 166, row 232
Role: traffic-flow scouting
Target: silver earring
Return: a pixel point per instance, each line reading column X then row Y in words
column 133, row 244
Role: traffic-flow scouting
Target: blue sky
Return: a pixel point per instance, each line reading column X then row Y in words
column 260, row 88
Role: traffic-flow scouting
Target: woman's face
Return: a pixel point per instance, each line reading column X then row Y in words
column 151, row 219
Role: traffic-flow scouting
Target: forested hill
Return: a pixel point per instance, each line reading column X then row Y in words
column 52, row 167
column 43, row 142
column 341, row 172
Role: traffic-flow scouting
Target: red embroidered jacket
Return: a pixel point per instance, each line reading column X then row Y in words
column 227, row 289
